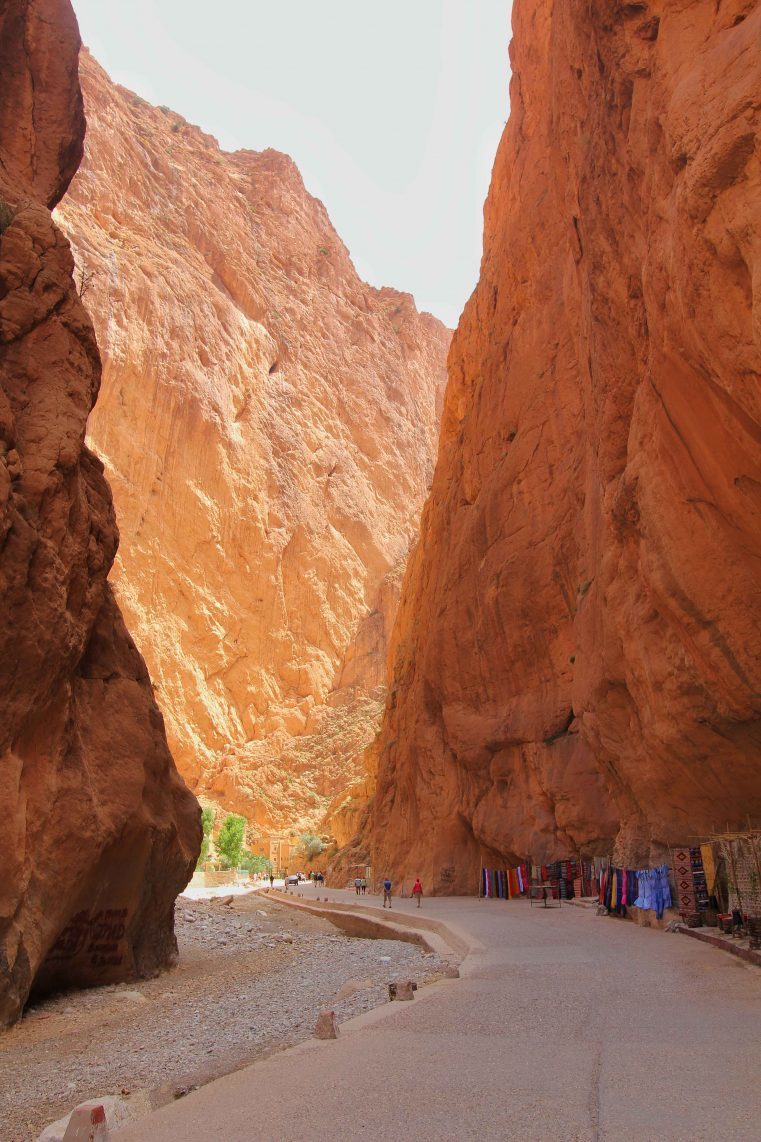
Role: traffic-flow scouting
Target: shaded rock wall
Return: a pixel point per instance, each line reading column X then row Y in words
column 577, row 661
column 268, row 423
column 99, row 832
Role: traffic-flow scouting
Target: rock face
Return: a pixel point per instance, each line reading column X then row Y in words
column 268, row 423
column 99, row 832
column 577, row 660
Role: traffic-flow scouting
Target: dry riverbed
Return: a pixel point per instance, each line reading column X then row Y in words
column 252, row 977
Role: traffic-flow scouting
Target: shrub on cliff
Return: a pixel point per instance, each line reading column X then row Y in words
column 310, row 845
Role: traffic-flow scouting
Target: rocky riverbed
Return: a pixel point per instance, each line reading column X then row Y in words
column 252, row 977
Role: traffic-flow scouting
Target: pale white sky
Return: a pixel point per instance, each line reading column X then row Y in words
column 392, row 110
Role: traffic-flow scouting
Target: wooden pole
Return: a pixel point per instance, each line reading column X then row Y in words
column 756, row 862
column 734, row 876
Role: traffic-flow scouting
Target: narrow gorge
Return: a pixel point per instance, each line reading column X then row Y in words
column 576, row 666
column 562, row 659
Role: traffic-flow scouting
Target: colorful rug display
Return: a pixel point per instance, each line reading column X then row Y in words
column 504, row 883
column 706, row 879
column 618, row 889
column 685, row 886
column 699, row 878
column 709, row 867
column 569, row 878
column 586, row 883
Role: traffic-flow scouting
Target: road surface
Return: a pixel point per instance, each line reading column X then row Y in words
column 565, row 1026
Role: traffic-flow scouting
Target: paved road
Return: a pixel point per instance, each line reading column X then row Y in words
column 565, row 1026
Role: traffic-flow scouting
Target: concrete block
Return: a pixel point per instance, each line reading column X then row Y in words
column 87, row 1123
column 326, row 1026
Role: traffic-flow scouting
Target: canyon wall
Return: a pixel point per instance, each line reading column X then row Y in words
column 577, row 659
column 99, row 832
column 268, row 423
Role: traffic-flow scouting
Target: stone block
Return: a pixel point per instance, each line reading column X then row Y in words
column 326, row 1026
column 87, row 1123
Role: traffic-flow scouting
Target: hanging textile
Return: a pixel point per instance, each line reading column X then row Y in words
column 709, row 867
column 504, row 883
column 699, row 878
column 653, row 889
column 618, row 889
column 685, row 887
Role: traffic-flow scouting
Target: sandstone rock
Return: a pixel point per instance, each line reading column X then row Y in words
column 402, row 989
column 42, row 123
column 99, row 831
column 450, row 971
column 575, row 665
column 326, row 1026
column 268, row 423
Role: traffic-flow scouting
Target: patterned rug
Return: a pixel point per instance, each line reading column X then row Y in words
column 685, row 886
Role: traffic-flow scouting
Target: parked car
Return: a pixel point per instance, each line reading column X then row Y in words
column 292, row 879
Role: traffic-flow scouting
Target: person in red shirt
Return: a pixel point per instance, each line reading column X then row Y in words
column 417, row 891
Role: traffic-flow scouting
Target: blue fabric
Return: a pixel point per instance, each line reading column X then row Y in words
column 654, row 890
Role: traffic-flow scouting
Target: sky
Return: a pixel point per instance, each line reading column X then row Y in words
column 392, row 111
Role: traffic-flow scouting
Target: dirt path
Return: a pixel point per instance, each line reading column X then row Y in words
column 252, row 977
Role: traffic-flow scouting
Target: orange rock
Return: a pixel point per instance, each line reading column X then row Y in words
column 577, row 654
column 99, row 832
column 268, row 423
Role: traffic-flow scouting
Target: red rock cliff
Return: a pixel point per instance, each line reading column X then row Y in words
column 99, row 832
column 578, row 653
column 269, row 424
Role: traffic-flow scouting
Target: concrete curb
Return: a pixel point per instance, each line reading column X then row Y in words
column 716, row 941
column 358, row 920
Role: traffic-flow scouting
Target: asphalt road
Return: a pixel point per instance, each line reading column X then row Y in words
column 565, row 1026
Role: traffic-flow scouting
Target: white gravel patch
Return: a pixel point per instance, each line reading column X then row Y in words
column 252, row 979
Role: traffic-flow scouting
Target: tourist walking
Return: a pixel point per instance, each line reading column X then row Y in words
column 386, row 892
column 357, row 884
column 364, row 886
column 417, row 891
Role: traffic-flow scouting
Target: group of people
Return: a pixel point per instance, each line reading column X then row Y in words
column 317, row 877
column 360, row 887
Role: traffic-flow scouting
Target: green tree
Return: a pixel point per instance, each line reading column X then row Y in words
column 230, row 840
column 207, row 824
column 255, row 862
column 310, row 845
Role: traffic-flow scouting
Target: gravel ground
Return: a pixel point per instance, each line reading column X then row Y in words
column 252, row 978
